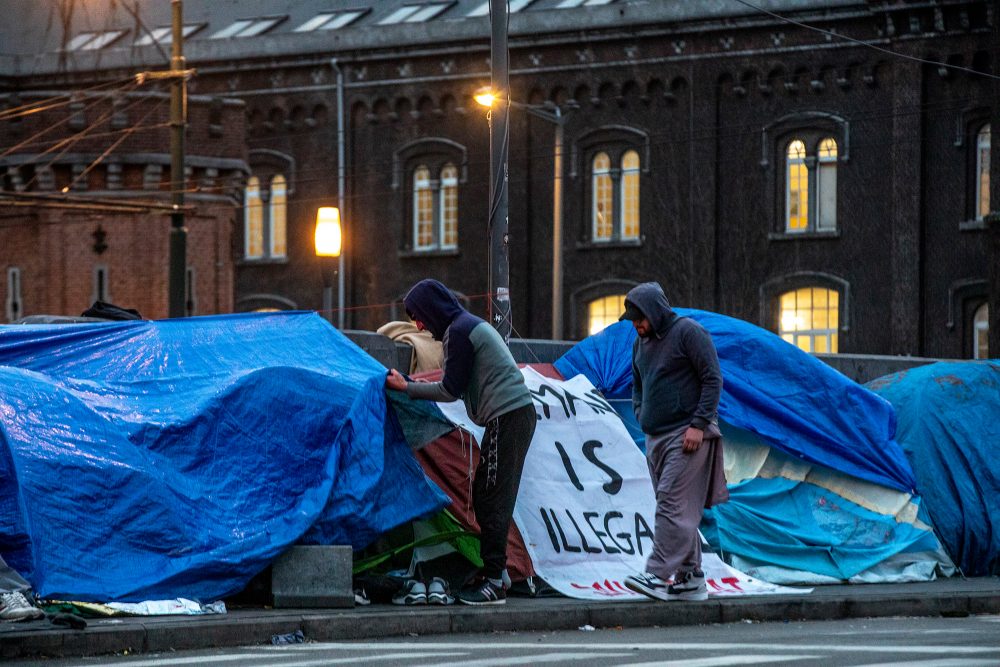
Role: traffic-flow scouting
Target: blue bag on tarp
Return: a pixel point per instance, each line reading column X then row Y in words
column 792, row 400
column 949, row 428
column 176, row 458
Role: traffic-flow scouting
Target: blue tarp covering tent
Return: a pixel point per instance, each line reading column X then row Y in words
column 949, row 427
column 777, row 396
column 177, row 458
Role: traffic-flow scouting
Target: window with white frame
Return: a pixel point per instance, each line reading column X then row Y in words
column 811, row 186
column 982, row 172
column 331, row 20
column 513, row 7
column 15, row 305
column 809, row 318
column 416, row 13
column 91, row 41
column 614, row 196
column 569, row 4
column 981, row 332
column 165, row 35
column 265, row 218
column 435, row 208
column 248, row 27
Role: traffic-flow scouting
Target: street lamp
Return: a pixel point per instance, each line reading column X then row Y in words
column 328, row 246
column 552, row 113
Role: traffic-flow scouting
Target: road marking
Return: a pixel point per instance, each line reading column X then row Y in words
column 665, row 646
column 954, row 662
column 529, row 659
column 368, row 659
column 726, row 660
column 163, row 662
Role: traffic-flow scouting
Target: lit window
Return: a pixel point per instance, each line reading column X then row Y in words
column 279, row 216
column 983, row 172
column 449, row 206
column 90, row 41
column 331, row 20
column 416, row 13
column 981, row 332
column 809, row 319
column 630, row 195
column 253, row 220
column 423, row 209
column 249, row 27
column 165, row 35
column 513, row 7
column 603, row 198
column 797, row 199
column 604, row 312
column 15, row 306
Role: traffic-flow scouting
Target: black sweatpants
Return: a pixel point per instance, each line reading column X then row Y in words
column 498, row 476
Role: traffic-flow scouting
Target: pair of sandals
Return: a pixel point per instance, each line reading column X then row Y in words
column 416, row 592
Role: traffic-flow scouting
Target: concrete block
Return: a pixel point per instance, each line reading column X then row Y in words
column 313, row 576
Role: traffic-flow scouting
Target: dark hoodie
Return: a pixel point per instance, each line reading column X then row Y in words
column 478, row 367
column 676, row 379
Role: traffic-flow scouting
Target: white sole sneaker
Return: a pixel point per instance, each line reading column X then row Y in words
column 640, row 585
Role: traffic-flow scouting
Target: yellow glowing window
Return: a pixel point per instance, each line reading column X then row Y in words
column 279, row 216
column 253, row 220
column 797, row 190
column 602, row 196
column 449, row 206
column 630, row 195
column 604, row 312
column 423, row 209
column 809, row 319
column 983, row 172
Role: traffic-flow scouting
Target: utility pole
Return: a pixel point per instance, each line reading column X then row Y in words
column 178, row 121
column 499, row 285
column 557, row 229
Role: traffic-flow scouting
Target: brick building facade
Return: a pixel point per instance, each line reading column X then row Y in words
column 773, row 171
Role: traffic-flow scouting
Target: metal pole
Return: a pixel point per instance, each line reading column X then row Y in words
column 557, row 225
column 178, row 120
column 499, row 286
column 341, row 170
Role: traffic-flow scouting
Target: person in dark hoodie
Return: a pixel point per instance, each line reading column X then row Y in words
column 675, row 394
column 479, row 369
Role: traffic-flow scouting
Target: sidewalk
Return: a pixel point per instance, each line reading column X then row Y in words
column 947, row 597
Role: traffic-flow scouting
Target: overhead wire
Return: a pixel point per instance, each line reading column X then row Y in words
column 51, row 102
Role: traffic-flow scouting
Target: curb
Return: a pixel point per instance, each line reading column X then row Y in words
column 152, row 635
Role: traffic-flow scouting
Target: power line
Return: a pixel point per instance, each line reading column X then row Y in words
column 863, row 43
column 52, row 102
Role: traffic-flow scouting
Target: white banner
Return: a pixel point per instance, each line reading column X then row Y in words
column 586, row 505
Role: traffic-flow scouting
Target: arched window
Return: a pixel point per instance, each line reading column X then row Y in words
column 630, row 195
column 253, row 220
column 981, row 332
column 809, row 318
column 603, row 312
column 602, row 225
column 826, row 186
column 983, row 172
column 449, row 206
column 279, row 216
column 423, row 209
column 797, row 189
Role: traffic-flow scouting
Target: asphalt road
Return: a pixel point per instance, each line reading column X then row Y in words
column 916, row 642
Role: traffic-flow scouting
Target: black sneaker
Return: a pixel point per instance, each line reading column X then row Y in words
column 648, row 584
column 482, row 593
column 688, row 586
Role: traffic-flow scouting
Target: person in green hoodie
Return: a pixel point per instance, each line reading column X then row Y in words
column 479, row 370
column 676, row 386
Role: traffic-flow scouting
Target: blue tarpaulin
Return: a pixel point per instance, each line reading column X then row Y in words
column 177, row 458
column 949, row 427
column 792, row 400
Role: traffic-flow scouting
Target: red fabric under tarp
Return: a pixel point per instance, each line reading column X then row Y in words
column 446, row 462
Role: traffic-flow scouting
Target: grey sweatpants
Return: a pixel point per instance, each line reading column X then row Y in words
column 10, row 580
column 681, row 484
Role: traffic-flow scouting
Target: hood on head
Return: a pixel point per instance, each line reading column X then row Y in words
column 433, row 304
column 650, row 299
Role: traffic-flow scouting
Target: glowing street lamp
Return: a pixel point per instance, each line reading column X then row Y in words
column 328, row 242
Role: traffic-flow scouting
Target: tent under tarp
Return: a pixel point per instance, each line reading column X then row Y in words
column 949, row 427
column 819, row 490
column 177, row 458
